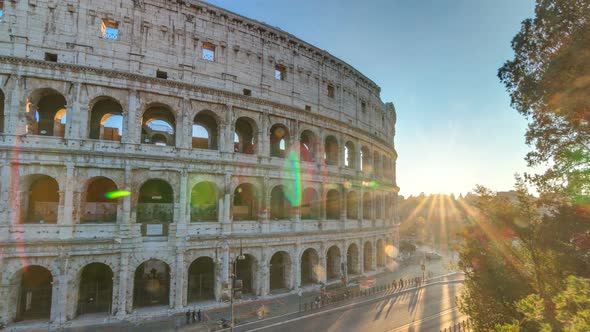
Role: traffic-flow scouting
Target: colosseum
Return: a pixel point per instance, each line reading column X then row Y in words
column 152, row 148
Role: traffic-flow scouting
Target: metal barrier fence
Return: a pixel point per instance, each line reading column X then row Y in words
column 464, row 325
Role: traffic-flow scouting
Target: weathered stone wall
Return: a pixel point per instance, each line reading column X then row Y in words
column 168, row 36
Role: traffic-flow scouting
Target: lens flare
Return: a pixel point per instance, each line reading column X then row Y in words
column 117, row 194
column 391, row 251
column 292, row 183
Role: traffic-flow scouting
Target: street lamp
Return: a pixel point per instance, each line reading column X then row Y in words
column 234, row 262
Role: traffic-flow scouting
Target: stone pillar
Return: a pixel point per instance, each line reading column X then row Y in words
column 68, row 208
column 133, row 120
column 360, row 206
column 73, row 113
column 4, row 298
column 4, row 194
column 183, row 218
column 125, row 291
column 361, row 263
column 15, row 112
column 226, row 143
column 59, row 293
column 265, row 210
column 178, row 286
column 324, row 201
column 322, row 262
column 296, row 278
column 264, row 273
column 264, row 137
column 184, row 125
column 344, row 205
column 126, row 215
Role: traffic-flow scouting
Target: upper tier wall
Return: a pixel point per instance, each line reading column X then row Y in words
column 169, row 36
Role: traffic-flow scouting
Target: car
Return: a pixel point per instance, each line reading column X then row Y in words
column 433, row 255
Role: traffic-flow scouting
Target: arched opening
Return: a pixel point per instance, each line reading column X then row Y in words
column 331, row 151
column 279, row 139
column 365, row 160
column 96, row 289
column 158, row 126
column 380, row 253
column 35, row 289
column 349, row 155
column 204, row 198
column 205, row 132
column 244, row 140
column 42, row 200
column 378, row 207
column 333, row 263
column 245, row 271
column 98, row 207
column 280, row 271
column 155, row 207
column 46, row 113
column 245, row 202
column 367, row 206
column 308, row 147
column 333, row 204
column 201, row 280
column 309, row 267
column 106, row 120
column 368, row 256
column 2, row 116
column 151, row 284
column 280, row 207
column 352, row 205
column 352, row 259
column 310, row 205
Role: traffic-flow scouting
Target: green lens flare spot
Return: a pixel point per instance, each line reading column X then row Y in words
column 292, row 183
column 117, row 194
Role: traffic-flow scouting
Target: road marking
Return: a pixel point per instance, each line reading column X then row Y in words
column 404, row 327
column 346, row 306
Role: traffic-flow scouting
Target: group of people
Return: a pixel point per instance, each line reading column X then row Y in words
column 415, row 281
column 194, row 316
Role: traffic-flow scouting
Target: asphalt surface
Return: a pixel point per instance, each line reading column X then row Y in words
column 430, row 308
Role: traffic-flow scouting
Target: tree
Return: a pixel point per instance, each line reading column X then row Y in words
column 407, row 247
column 549, row 83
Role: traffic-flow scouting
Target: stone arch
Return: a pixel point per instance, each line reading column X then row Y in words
column 201, row 279
column 352, row 205
column 205, row 131
column 95, row 292
column 155, row 202
column 34, row 293
column 367, row 206
column 308, row 146
column 353, row 259
column 158, row 125
column 46, row 113
column 333, row 204
column 246, row 270
column 310, row 204
column 368, row 256
column 280, row 207
column 279, row 140
column 245, row 202
column 99, row 204
column 41, row 199
column 245, row 140
column 280, row 271
column 349, row 155
column 151, row 286
column 331, row 151
column 106, row 119
column 310, row 263
column 204, row 202
column 333, row 260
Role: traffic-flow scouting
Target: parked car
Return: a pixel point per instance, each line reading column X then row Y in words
column 433, row 255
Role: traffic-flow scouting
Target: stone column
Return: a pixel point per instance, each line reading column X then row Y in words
column 126, row 215
column 183, row 217
column 360, row 206
column 4, row 298
column 324, row 201
column 180, row 300
column 184, row 124
column 296, row 278
column 265, row 210
column 361, row 263
column 60, row 292
column 15, row 113
column 68, row 208
column 322, row 262
column 374, row 254
column 133, row 120
column 344, row 205
column 226, row 143
column 125, row 291
column 264, row 273
column 73, row 113
column 4, row 193
column 264, row 137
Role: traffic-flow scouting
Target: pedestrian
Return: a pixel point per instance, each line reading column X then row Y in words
column 188, row 316
column 401, row 282
column 194, row 316
column 394, row 285
column 199, row 315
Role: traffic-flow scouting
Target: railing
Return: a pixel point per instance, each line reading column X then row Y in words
column 43, row 213
column 155, row 212
column 99, row 212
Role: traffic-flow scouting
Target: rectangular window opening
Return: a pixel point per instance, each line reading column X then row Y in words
column 247, row 92
column 363, row 107
column 50, row 57
column 331, row 91
column 208, row 52
column 308, row 108
column 280, row 73
column 110, row 30
column 161, row 74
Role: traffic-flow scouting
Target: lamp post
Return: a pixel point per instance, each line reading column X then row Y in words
column 233, row 263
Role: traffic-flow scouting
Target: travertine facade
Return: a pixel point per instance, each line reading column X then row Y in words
column 226, row 132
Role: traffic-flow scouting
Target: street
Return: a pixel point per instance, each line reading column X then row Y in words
column 427, row 309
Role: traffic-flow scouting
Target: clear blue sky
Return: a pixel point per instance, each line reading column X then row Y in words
column 436, row 60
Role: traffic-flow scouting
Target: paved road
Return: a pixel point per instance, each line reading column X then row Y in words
column 427, row 309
